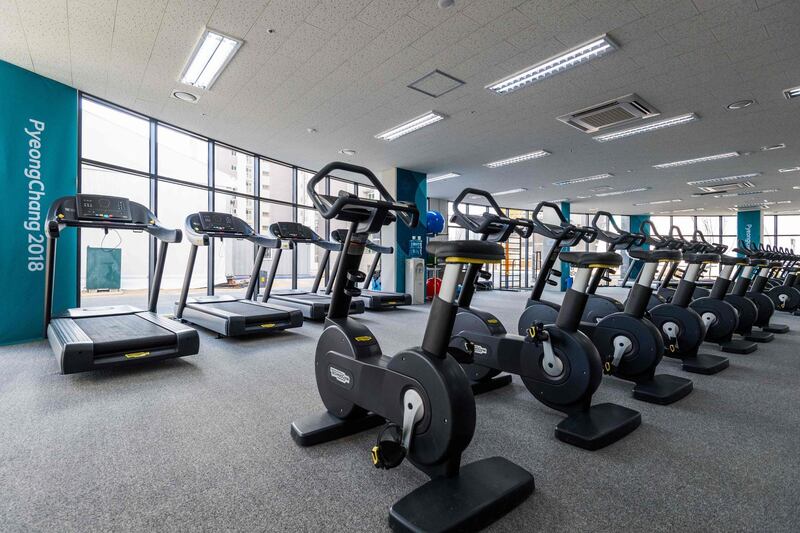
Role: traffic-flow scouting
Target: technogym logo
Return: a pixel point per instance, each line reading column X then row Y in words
column 748, row 231
column 338, row 375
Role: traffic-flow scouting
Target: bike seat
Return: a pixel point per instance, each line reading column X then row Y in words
column 467, row 251
column 700, row 258
column 591, row 259
column 776, row 264
column 758, row 262
column 732, row 260
column 656, row 256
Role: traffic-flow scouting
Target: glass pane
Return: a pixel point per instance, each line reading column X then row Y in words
column 182, row 156
column 276, row 181
column 134, row 246
column 233, row 171
column 270, row 213
column 368, row 192
column 708, row 225
column 789, row 241
column 769, row 225
column 173, row 214
column 115, row 137
column 339, row 185
column 662, row 225
column 303, row 178
column 233, row 259
column 730, row 242
column 685, row 224
column 789, row 225
column 729, row 225
column 308, row 255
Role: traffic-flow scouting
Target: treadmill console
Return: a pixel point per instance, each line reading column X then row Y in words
column 218, row 223
column 98, row 207
column 292, row 231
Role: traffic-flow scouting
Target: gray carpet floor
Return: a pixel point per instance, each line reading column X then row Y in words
column 203, row 443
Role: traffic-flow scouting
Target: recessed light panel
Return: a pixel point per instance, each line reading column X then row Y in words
column 509, row 191
column 647, row 127
column 431, row 117
column 696, row 160
column 212, row 53
column 518, row 159
column 790, row 169
column 659, row 202
column 583, row 179
column 794, row 92
column 625, row 191
column 441, row 177
column 723, row 179
column 550, row 67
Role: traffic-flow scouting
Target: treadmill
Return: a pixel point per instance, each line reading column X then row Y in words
column 90, row 338
column 226, row 315
column 373, row 300
column 312, row 304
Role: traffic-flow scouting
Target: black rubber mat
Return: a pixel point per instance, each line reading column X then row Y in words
column 124, row 333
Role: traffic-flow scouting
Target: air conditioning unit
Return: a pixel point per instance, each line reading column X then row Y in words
column 617, row 112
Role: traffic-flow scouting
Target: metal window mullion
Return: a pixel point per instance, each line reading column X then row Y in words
column 295, row 200
column 257, row 210
column 211, row 206
column 78, row 187
column 153, row 166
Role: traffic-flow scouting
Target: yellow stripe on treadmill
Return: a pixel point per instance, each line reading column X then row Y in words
column 136, row 355
column 470, row 261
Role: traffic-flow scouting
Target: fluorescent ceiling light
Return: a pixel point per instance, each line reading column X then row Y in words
column 583, row 180
column 579, row 197
column 691, row 210
column 792, row 169
column 441, row 177
column 703, row 159
column 659, row 202
column 518, row 158
column 624, row 191
column 745, row 193
column 509, row 191
column 650, row 126
column 794, row 92
column 559, row 63
column 560, row 200
column 431, row 117
column 211, row 54
column 723, row 179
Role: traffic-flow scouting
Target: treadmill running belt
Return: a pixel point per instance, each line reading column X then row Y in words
column 119, row 333
column 252, row 313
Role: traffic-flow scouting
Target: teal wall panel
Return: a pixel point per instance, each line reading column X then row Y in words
column 635, row 223
column 38, row 163
column 748, row 227
column 411, row 187
column 566, row 209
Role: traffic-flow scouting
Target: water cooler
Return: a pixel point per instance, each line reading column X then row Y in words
column 415, row 279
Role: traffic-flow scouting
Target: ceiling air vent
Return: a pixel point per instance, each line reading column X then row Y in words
column 616, row 112
column 726, row 187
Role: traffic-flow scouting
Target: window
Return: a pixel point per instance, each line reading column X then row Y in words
column 173, row 214
column 182, row 156
column 364, row 191
column 234, row 171
column 709, row 226
column 233, row 259
column 116, row 137
column 309, row 256
column 276, row 181
column 270, row 213
column 133, row 246
column 303, row 177
column 686, row 225
column 337, row 185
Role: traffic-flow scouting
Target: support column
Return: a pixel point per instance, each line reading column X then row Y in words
column 748, row 227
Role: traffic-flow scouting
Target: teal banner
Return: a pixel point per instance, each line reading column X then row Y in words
column 636, row 223
column 411, row 187
column 38, row 163
column 567, row 210
column 748, row 227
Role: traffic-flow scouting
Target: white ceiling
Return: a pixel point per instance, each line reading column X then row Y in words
column 342, row 66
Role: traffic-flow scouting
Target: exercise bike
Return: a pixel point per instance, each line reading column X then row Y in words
column 421, row 393
column 630, row 346
column 556, row 362
column 682, row 328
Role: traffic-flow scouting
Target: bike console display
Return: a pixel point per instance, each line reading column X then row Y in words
column 98, row 207
column 291, row 231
